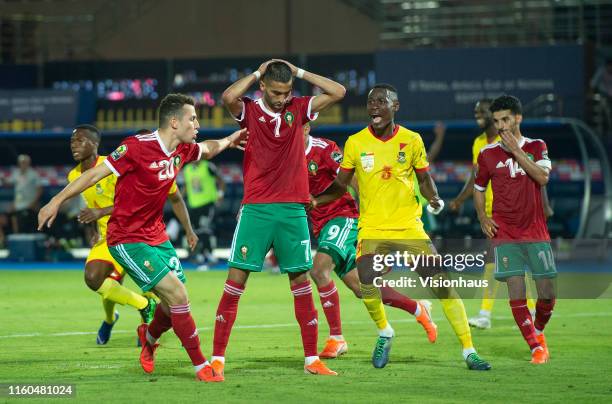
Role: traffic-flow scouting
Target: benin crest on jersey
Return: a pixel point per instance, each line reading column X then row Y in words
column 336, row 156
column 401, row 157
column 367, row 161
column 99, row 189
column 177, row 161
column 289, row 118
column 119, row 152
column 313, row 167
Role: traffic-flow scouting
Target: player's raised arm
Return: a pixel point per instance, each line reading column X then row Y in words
column 332, row 91
column 232, row 95
column 466, row 193
column 237, row 140
column 537, row 172
column 47, row 214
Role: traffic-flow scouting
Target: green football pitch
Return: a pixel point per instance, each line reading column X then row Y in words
column 49, row 321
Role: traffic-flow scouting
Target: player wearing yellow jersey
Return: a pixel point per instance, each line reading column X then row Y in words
column 384, row 157
column 484, row 119
column 102, row 273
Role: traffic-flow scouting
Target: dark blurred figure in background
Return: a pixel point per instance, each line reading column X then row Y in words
column 204, row 188
column 28, row 190
column 602, row 80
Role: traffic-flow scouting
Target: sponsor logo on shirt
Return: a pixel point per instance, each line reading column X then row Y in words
column 119, row 152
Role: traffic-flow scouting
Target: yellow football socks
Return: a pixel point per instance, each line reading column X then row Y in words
column 109, row 310
column 455, row 313
column 115, row 292
column 372, row 299
column 488, row 295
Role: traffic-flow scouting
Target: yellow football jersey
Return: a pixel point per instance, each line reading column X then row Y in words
column 384, row 169
column 479, row 143
column 102, row 194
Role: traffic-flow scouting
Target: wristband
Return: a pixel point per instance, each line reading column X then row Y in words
column 300, row 73
column 257, row 74
column 436, row 211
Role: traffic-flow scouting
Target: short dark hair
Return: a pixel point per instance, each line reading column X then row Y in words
column 171, row 105
column 504, row 102
column 95, row 132
column 386, row 86
column 278, row 71
column 487, row 101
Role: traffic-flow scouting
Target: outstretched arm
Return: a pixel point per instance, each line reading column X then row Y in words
column 237, row 140
column 47, row 214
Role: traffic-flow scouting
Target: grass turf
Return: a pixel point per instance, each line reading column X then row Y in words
column 49, row 320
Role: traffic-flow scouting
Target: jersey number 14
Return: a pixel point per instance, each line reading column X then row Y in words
column 514, row 168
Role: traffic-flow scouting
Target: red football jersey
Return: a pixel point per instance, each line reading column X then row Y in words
column 323, row 158
column 145, row 171
column 274, row 167
column 517, row 199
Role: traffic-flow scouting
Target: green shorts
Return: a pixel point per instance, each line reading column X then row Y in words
column 261, row 226
column 338, row 239
column 148, row 264
column 512, row 258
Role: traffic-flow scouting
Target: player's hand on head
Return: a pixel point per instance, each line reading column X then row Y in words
column 264, row 66
column 293, row 68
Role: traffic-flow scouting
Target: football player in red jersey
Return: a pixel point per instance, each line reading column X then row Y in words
column 518, row 167
column 146, row 166
column 275, row 192
column 335, row 226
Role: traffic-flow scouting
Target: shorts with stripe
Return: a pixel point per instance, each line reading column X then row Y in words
column 148, row 264
column 338, row 239
column 262, row 226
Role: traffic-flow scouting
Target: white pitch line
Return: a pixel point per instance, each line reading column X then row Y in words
column 283, row 325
